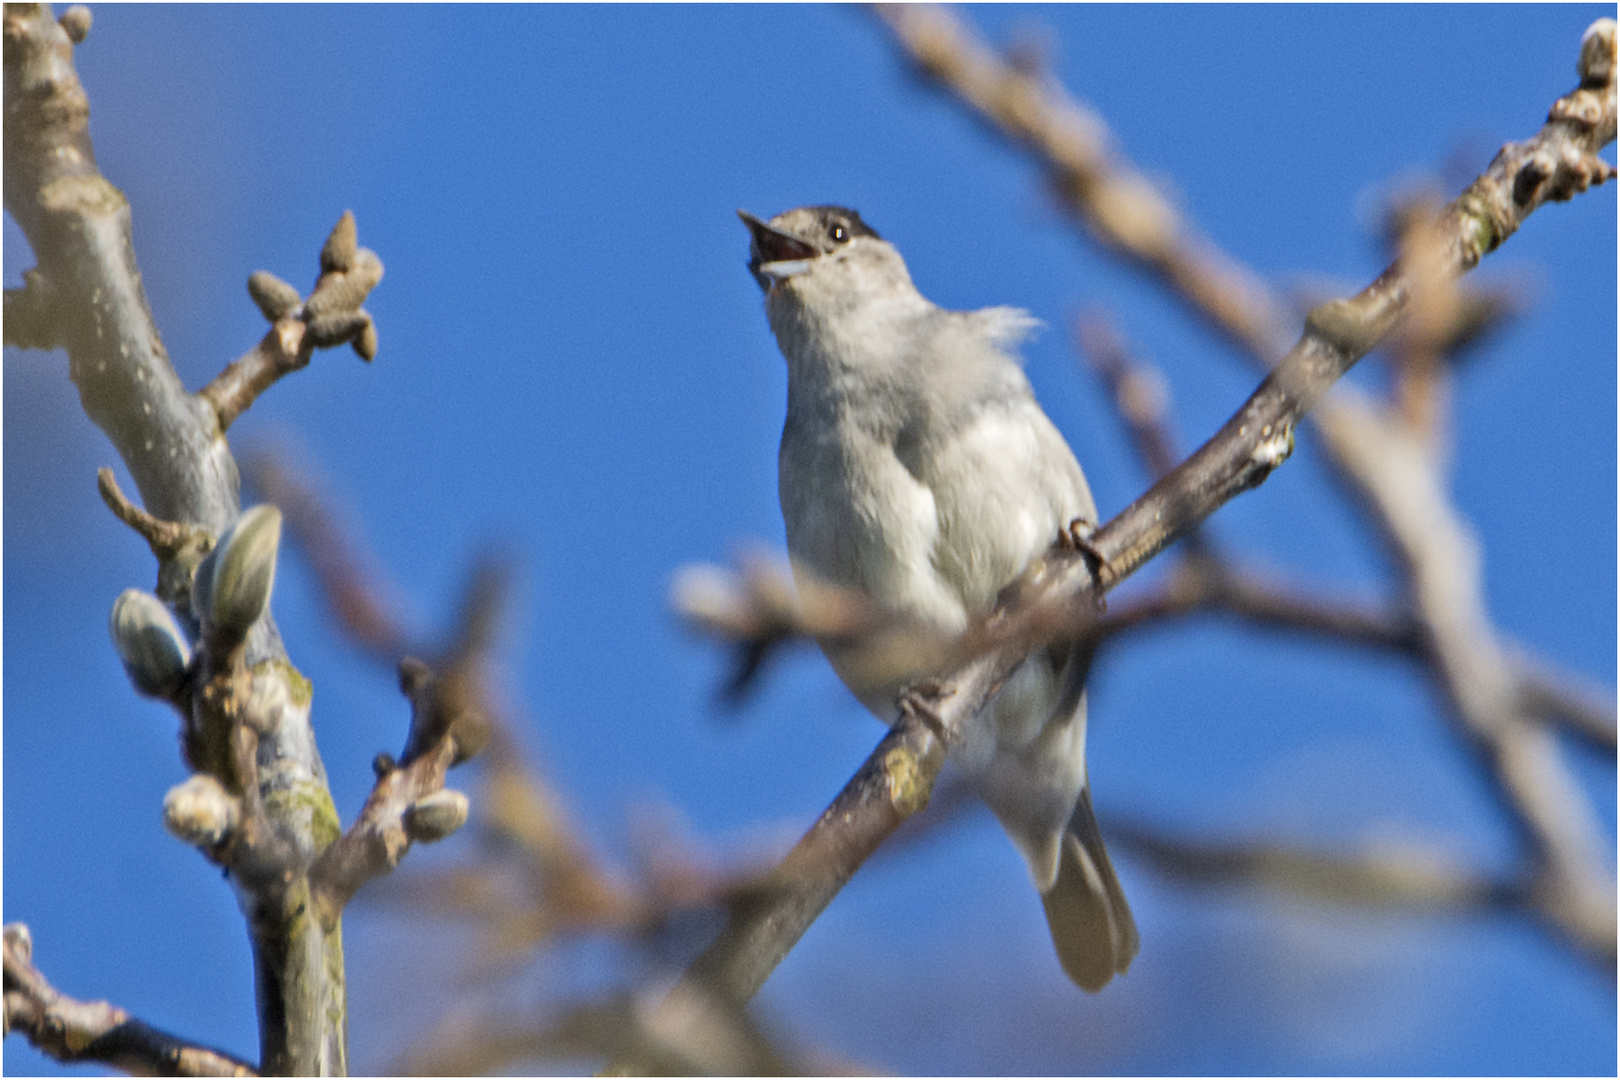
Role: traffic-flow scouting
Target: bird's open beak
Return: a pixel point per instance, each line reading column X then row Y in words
column 774, row 255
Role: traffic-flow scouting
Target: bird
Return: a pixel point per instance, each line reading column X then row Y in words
column 917, row 468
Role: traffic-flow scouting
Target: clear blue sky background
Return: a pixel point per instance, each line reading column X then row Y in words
column 575, row 363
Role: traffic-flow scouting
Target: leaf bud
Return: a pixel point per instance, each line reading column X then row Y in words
column 346, row 290
column 154, row 653
column 1596, row 63
column 232, row 586
column 275, row 298
column 200, row 811
column 365, row 342
column 436, row 816
column 337, row 253
column 75, row 22
column 335, row 328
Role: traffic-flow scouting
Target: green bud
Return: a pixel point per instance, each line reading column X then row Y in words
column 154, row 652
column 232, row 586
column 200, row 811
column 436, row 816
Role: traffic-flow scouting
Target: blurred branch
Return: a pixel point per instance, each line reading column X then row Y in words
column 1440, row 560
column 1559, row 698
column 761, row 611
column 73, row 1031
column 1139, row 391
column 1386, row 875
column 696, row 1040
column 1199, row 585
column 358, row 601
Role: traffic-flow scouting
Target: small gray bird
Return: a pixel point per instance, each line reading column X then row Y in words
column 917, row 468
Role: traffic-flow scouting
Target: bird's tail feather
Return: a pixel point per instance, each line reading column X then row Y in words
column 1091, row 924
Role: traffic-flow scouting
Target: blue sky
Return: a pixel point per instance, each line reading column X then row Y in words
column 575, row 364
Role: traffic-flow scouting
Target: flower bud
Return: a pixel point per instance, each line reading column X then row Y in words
column 150, row 644
column 232, row 586
column 75, row 22
column 365, row 342
column 338, row 252
column 20, row 941
column 275, row 298
column 1596, row 64
column 346, row 290
column 436, row 816
column 200, row 811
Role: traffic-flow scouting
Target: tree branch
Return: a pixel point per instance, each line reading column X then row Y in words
column 74, row 1031
column 1386, row 875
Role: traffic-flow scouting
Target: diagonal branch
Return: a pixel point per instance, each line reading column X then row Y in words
column 74, row 1031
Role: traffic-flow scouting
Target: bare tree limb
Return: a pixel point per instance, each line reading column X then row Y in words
column 1202, row 585
column 1384, row 875
column 74, row 1031
column 1477, row 673
column 1560, row 698
column 409, row 801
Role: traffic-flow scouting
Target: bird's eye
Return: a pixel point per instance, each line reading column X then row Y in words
column 838, row 232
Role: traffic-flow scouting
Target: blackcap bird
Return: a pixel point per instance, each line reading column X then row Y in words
column 917, row 468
